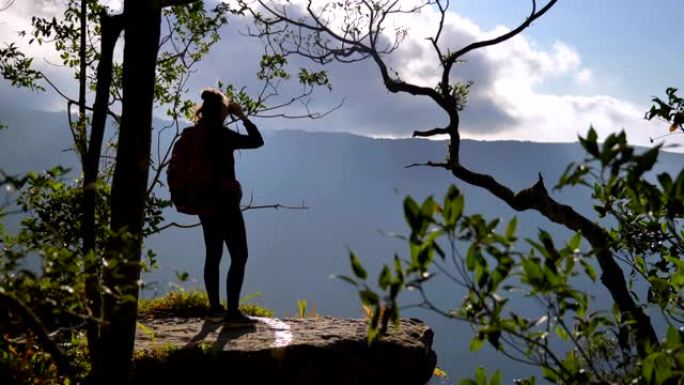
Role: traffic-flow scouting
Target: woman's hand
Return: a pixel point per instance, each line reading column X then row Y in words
column 236, row 110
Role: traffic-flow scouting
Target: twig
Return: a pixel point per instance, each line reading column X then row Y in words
column 276, row 206
column 429, row 164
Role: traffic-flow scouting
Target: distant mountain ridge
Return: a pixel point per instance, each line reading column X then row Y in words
column 353, row 185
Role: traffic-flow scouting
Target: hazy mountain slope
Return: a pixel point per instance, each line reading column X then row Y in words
column 34, row 140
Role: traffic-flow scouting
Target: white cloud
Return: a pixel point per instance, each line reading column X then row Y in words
column 17, row 18
column 584, row 76
column 506, row 101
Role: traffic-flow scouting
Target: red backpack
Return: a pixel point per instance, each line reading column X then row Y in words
column 189, row 175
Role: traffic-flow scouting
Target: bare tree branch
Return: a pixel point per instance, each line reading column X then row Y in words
column 175, row 224
column 276, row 206
column 534, row 15
column 396, row 85
column 537, row 198
column 442, row 16
column 433, row 132
column 308, row 115
column 429, row 164
column 71, row 101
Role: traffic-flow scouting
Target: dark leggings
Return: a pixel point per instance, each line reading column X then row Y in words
column 228, row 226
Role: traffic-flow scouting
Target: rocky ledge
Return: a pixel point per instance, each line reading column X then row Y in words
column 319, row 350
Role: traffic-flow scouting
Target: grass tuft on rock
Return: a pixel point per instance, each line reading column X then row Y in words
column 190, row 303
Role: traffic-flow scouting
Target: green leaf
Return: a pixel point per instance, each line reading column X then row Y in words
column 454, row 203
column 182, row 276
column 357, row 268
column 345, row 278
column 590, row 143
column 428, row 207
column 678, row 279
column 640, row 264
column 368, row 297
column 480, row 376
column 665, row 181
column 510, row 229
column 412, row 214
column 533, row 271
column 494, row 338
column 496, row 378
column 571, row 363
column 560, row 332
column 647, row 367
column 674, row 337
column 477, row 343
column 539, row 247
column 385, row 278
column 550, row 375
column 481, row 272
column 675, row 261
column 473, row 250
column 575, row 242
column 573, row 175
column 646, row 161
column 589, row 269
column 398, row 269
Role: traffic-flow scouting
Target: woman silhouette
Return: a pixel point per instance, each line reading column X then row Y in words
column 222, row 221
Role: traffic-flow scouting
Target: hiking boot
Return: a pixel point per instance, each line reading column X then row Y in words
column 236, row 318
column 215, row 315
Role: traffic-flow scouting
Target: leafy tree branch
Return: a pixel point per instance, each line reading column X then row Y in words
column 311, row 32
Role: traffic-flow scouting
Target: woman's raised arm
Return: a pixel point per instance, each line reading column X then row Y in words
column 253, row 139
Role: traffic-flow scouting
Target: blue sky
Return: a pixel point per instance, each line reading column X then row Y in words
column 584, row 63
column 634, row 45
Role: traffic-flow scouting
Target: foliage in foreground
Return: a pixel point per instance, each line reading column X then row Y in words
column 569, row 339
column 24, row 362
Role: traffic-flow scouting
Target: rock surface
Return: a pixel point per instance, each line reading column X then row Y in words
column 320, row 350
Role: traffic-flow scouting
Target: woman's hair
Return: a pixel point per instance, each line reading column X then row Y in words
column 213, row 104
